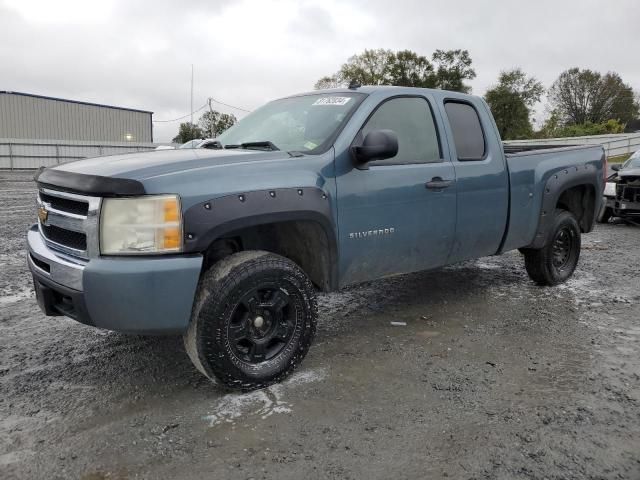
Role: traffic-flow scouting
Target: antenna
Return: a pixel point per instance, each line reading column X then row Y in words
column 191, row 94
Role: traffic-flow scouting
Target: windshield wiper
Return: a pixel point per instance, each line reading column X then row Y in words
column 266, row 145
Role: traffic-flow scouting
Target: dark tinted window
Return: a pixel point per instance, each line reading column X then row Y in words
column 412, row 121
column 467, row 131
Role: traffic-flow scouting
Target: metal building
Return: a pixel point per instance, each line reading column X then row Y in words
column 26, row 116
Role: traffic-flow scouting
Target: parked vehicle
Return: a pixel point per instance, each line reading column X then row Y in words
column 211, row 143
column 622, row 192
column 310, row 192
column 190, row 144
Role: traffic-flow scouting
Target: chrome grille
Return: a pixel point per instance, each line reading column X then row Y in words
column 71, row 223
column 66, row 204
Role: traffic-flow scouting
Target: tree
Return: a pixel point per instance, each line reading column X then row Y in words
column 509, row 112
column 511, row 102
column 372, row 67
column 213, row 123
column 452, row 68
column 446, row 70
column 552, row 128
column 187, row 131
column 581, row 96
column 408, row 69
column 330, row 81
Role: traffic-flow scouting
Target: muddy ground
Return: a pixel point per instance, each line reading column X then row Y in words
column 492, row 377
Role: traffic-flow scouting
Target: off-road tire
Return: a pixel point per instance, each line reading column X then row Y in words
column 209, row 339
column 605, row 214
column 540, row 263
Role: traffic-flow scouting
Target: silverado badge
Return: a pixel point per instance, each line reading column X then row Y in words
column 43, row 213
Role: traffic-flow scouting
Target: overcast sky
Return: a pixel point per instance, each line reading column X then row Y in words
column 139, row 53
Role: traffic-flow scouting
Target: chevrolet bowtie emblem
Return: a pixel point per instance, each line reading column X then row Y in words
column 43, row 213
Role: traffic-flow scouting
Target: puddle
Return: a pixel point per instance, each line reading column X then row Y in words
column 261, row 403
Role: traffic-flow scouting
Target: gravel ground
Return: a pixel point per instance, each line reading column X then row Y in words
column 492, row 377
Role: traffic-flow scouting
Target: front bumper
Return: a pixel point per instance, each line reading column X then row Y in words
column 625, row 208
column 151, row 295
column 609, row 202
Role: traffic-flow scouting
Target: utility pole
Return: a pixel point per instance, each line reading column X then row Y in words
column 210, row 132
column 192, row 94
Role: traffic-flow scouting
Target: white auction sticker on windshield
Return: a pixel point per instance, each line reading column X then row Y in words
column 332, row 101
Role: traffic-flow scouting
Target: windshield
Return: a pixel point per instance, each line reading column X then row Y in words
column 633, row 162
column 191, row 143
column 300, row 124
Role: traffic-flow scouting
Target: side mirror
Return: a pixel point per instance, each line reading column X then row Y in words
column 615, row 168
column 377, row 145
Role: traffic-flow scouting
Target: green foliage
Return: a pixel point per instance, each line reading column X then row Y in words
column 581, row 96
column 510, row 113
column 511, row 101
column 330, row 81
column 446, row 69
column 187, row 131
column 553, row 128
column 452, row 67
column 213, row 123
column 408, row 69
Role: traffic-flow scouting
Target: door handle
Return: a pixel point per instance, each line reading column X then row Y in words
column 437, row 183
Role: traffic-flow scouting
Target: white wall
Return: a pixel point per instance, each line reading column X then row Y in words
column 29, row 153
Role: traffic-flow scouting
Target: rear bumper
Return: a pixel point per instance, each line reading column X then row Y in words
column 133, row 295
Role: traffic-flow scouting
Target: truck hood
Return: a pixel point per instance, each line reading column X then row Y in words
column 629, row 172
column 145, row 165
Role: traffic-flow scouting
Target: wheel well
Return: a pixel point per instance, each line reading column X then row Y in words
column 303, row 241
column 581, row 202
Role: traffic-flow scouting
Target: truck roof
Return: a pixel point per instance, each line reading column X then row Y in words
column 387, row 90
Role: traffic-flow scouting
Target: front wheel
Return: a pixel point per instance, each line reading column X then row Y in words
column 253, row 321
column 556, row 261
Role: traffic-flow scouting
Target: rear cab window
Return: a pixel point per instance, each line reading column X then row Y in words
column 468, row 134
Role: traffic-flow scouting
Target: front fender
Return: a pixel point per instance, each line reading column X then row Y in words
column 209, row 220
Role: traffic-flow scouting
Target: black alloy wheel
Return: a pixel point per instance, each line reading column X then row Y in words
column 262, row 324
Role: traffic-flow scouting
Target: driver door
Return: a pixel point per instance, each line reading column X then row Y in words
column 391, row 218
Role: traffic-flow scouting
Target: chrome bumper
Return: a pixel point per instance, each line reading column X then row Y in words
column 137, row 295
column 57, row 267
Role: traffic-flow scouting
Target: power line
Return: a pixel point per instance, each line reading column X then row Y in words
column 231, row 106
column 180, row 118
column 202, row 107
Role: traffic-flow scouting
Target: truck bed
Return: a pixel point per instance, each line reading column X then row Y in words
column 538, row 170
column 523, row 147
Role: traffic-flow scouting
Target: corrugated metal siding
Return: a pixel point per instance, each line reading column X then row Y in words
column 34, row 153
column 23, row 116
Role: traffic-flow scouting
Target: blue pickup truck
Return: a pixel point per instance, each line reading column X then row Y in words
column 228, row 246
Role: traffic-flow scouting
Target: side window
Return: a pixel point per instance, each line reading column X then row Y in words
column 411, row 119
column 467, row 130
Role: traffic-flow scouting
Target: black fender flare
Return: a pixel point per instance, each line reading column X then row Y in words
column 211, row 219
column 555, row 186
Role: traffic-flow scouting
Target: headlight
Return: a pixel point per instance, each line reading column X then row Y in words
column 150, row 224
column 610, row 189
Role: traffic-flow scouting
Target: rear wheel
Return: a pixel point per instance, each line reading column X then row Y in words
column 556, row 261
column 253, row 321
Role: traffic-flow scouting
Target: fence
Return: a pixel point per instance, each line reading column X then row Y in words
column 25, row 153
column 21, row 153
column 614, row 144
